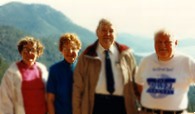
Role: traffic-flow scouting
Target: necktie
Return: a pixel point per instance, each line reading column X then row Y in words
column 109, row 74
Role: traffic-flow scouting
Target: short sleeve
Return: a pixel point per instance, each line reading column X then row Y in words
column 51, row 83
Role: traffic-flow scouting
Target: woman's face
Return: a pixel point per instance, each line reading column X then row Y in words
column 70, row 51
column 29, row 54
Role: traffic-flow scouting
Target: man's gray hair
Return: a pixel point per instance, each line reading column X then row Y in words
column 164, row 32
column 103, row 21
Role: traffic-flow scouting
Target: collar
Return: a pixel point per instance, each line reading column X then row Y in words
column 24, row 65
column 101, row 49
column 91, row 50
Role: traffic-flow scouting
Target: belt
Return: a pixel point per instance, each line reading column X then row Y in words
column 108, row 97
column 155, row 111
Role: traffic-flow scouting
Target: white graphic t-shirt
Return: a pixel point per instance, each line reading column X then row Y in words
column 166, row 83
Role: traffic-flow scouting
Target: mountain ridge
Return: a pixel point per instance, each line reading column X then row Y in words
column 41, row 21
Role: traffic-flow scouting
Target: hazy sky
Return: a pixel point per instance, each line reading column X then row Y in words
column 139, row 17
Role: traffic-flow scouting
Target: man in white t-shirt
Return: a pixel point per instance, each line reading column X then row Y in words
column 164, row 77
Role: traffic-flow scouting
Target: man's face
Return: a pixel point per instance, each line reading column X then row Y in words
column 106, row 35
column 165, row 47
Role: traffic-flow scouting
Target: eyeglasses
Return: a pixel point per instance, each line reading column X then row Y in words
column 27, row 50
column 69, row 49
column 167, row 43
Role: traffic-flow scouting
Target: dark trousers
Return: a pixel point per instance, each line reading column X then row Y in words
column 109, row 104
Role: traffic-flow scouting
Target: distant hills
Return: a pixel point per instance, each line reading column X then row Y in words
column 48, row 24
column 41, row 21
column 143, row 46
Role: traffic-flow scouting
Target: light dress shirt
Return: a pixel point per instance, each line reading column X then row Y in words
column 118, row 79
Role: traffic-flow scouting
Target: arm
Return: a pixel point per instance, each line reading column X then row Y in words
column 50, row 103
column 139, row 90
column 138, row 81
column 6, row 94
column 137, row 87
